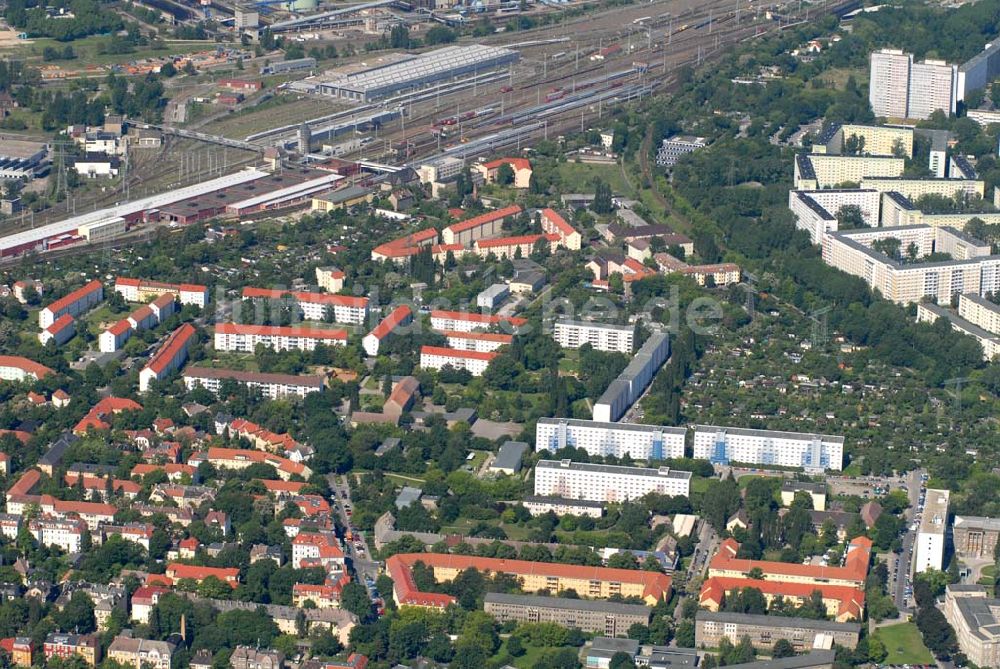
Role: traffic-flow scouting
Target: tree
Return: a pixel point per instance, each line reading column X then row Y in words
column 782, row 648
column 850, row 217
column 399, row 37
column 602, row 203
column 439, row 35
column 515, row 648
column 876, row 650
column 354, row 598
column 505, row 174
column 621, row 660
column 77, row 615
column 685, row 634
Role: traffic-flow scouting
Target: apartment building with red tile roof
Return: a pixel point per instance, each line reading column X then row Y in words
column 482, row 226
column 283, row 487
column 61, row 331
column 439, row 357
column 139, row 290
column 168, row 358
column 233, row 458
column 317, row 549
column 345, row 308
column 26, row 484
column 245, row 338
column 512, row 247
column 553, row 222
column 103, row 409
column 590, row 582
column 74, row 304
column 491, row 170
column 177, row 572
column 725, row 564
column 842, row 602
column 260, row 437
column 399, row 316
column 401, row 249
column 18, row 368
column 94, row 483
column 465, row 321
column 402, row 397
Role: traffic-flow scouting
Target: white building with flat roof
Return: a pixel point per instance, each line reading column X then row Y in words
column 640, row 442
column 817, row 170
column 979, row 311
column 933, row 87
column 816, row 211
column 600, row 336
column 607, row 483
column 724, row 445
column 538, row 505
column 971, row 270
column 628, row 387
column 988, row 341
column 889, row 87
column 933, row 532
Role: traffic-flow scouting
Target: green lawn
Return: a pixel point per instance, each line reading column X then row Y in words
column 904, row 644
column 579, row 178
column 699, row 484
column 88, row 51
column 404, row 480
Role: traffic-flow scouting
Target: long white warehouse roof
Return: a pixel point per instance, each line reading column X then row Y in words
column 428, row 64
column 294, row 190
column 70, row 225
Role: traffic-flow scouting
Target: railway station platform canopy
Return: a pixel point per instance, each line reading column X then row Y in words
column 432, row 67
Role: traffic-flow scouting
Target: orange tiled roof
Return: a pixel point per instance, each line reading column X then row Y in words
column 485, row 319
column 27, row 366
column 855, row 568
column 483, row 219
column 457, row 353
column 75, row 296
column 399, row 566
column 851, row 600
column 311, row 298
column 397, row 317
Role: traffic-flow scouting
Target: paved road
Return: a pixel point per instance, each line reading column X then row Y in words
column 357, row 552
column 903, row 568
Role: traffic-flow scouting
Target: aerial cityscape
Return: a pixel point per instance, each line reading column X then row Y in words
column 499, row 334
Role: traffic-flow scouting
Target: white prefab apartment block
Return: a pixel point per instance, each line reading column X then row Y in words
column 933, row 532
column 901, row 88
column 928, row 312
column 640, row 442
column 973, row 270
column 889, row 86
column 601, row 336
column 607, row 483
column 813, row 452
column 980, row 311
column 816, row 210
column 933, row 87
column 818, row 170
column 626, row 389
